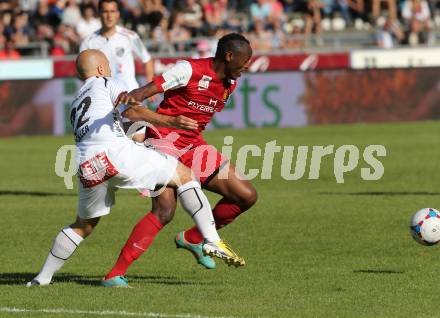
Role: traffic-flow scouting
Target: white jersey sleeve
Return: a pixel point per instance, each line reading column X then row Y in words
column 176, row 77
column 139, row 49
column 116, row 87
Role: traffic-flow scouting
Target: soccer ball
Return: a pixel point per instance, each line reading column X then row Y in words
column 425, row 226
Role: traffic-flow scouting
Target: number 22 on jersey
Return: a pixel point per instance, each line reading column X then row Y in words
column 78, row 120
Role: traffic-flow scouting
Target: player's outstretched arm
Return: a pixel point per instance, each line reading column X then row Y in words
column 137, row 112
column 144, row 92
column 141, row 113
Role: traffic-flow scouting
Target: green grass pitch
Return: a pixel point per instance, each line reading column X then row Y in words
column 314, row 248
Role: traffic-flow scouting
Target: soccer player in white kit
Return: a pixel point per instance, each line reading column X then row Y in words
column 107, row 160
column 120, row 45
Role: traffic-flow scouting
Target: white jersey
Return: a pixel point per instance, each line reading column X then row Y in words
column 106, row 158
column 95, row 120
column 120, row 49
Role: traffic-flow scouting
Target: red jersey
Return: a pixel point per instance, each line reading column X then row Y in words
column 192, row 88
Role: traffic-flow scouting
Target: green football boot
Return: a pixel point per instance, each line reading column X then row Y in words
column 116, row 282
column 196, row 250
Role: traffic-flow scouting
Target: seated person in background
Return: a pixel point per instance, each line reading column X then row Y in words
column 260, row 38
column 389, row 35
column 417, row 16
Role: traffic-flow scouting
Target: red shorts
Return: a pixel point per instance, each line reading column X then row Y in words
column 203, row 159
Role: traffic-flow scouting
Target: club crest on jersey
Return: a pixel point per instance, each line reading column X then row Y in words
column 204, row 82
column 119, row 51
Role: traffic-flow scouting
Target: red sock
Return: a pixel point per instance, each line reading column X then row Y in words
column 140, row 239
column 224, row 213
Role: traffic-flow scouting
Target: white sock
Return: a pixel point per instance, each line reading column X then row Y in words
column 197, row 205
column 63, row 247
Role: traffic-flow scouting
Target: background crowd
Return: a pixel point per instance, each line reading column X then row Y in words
column 190, row 27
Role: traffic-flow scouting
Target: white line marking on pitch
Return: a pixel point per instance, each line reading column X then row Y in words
column 103, row 313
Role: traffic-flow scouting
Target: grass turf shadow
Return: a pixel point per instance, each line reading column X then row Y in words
column 378, row 271
column 36, row 193
column 94, row 280
column 382, row 193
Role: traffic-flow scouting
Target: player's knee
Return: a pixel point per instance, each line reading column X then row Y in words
column 165, row 216
column 184, row 174
column 84, row 227
column 164, row 212
column 248, row 198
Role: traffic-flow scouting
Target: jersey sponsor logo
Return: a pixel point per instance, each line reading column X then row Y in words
column 167, row 85
column 204, row 108
column 119, row 51
column 213, row 102
column 204, row 82
column 96, row 170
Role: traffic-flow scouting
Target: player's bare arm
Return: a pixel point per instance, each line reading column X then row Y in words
column 141, row 113
column 137, row 112
column 144, row 92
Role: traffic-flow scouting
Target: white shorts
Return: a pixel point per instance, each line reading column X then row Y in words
column 139, row 168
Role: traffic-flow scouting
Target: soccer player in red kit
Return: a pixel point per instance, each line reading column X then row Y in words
column 196, row 88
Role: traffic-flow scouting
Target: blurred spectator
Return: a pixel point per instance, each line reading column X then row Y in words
column 260, row 38
column 260, row 10
column 161, row 41
column 152, row 13
column 177, row 32
column 313, row 18
column 67, row 38
column 28, row 5
column 279, row 36
column 43, row 15
column 192, row 16
column 21, row 29
column 2, row 35
column 358, row 8
column 6, row 18
column 5, row 5
column 56, row 10
column 58, row 47
column 418, row 18
column 88, row 23
column 331, row 6
column 203, row 50
column 296, row 39
column 391, row 6
column 216, row 13
column 389, row 35
column 44, row 32
column 71, row 14
column 9, row 52
column 276, row 11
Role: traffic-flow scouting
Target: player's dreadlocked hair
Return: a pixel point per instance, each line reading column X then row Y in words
column 230, row 42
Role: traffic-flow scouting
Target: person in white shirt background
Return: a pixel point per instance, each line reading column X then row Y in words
column 417, row 16
column 87, row 24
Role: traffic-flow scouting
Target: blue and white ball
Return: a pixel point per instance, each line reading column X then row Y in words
column 425, row 226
